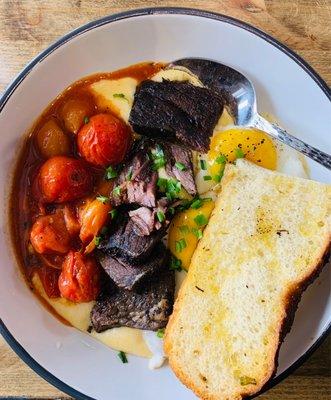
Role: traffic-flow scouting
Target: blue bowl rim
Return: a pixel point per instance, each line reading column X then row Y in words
column 19, row 350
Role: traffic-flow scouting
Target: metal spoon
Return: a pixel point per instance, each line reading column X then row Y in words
column 240, row 97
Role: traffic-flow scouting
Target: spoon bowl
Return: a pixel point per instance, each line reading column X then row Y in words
column 240, row 97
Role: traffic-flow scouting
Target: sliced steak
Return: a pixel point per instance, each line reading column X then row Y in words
column 123, row 241
column 144, row 221
column 136, row 182
column 128, row 275
column 184, row 174
column 149, row 308
column 177, row 112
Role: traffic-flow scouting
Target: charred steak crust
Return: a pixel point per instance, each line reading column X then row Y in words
column 128, row 275
column 124, row 241
column 178, row 112
column 148, row 309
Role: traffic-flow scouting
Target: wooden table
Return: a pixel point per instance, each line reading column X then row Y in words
column 29, row 26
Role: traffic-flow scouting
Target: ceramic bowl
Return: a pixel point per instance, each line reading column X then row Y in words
column 286, row 86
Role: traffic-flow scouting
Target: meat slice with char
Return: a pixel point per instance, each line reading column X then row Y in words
column 184, row 174
column 123, row 241
column 136, row 182
column 148, row 308
column 129, row 275
column 178, row 112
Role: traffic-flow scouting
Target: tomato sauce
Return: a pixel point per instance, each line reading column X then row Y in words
column 25, row 209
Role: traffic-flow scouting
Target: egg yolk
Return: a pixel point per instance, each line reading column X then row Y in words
column 186, row 230
column 253, row 144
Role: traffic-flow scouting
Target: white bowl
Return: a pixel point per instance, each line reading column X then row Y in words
column 286, row 87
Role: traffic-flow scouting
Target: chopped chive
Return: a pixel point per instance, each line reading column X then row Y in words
column 129, row 175
column 122, row 357
column 162, row 184
column 217, row 178
column 196, row 204
column 201, row 220
column 120, row 96
column 221, row 159
column 86, row 120
column 180, row 245
column 160, row 216
column 160, row 333
column 207, row 199
column 207, row 178
column 239, row 153
column 203, row 164
column 184, row 229
column 113, row 213
column 171, row 210
column 169, row 196
column 175, row 264
column 97, row 240
column 117, row 191
column 180, row 166
column 103, row 199
column 197, row 233
column 110, row 173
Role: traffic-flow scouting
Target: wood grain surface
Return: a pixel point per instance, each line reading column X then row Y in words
column 29, row 26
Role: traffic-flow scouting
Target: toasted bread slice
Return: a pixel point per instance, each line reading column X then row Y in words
column 264, row 243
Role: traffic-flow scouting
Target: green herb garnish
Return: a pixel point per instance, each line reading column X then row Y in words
column 120, row 96
column 122, row 357
column 203, row 164
column 197, row 233
column 160, row 333
column 196, row 204
column 117, row 191
column 171, row 210
column 157, row 156
column 113, row 213
column 175, row 264
column 217, row 178
column 97, row 240
column 180, row 166
column 207, row 178
column 221, row 159
column 160, row 216
column 184, row 229
column 201, row 220
column 239, row 153
column 162, row 184
column 247, row 380
column 110, row 173
column 129, row 175
column 103, row 199
column 180, row 245
column 86, row 120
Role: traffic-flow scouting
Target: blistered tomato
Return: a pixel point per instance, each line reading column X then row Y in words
column 50, row 235
column 80, row 278
column 104, row 140
column 49, row 278
column 62, row 179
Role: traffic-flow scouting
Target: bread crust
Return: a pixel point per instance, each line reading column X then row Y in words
column 292, row 301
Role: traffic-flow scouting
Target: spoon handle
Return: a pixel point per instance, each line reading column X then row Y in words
column 278, row 133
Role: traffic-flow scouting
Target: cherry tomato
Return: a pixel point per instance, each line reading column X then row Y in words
column 80, row 278
column 74, row 112
column 62, row 179
column 50, row 280
column 49, row 235
column 51, row 140
column 103, row 140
